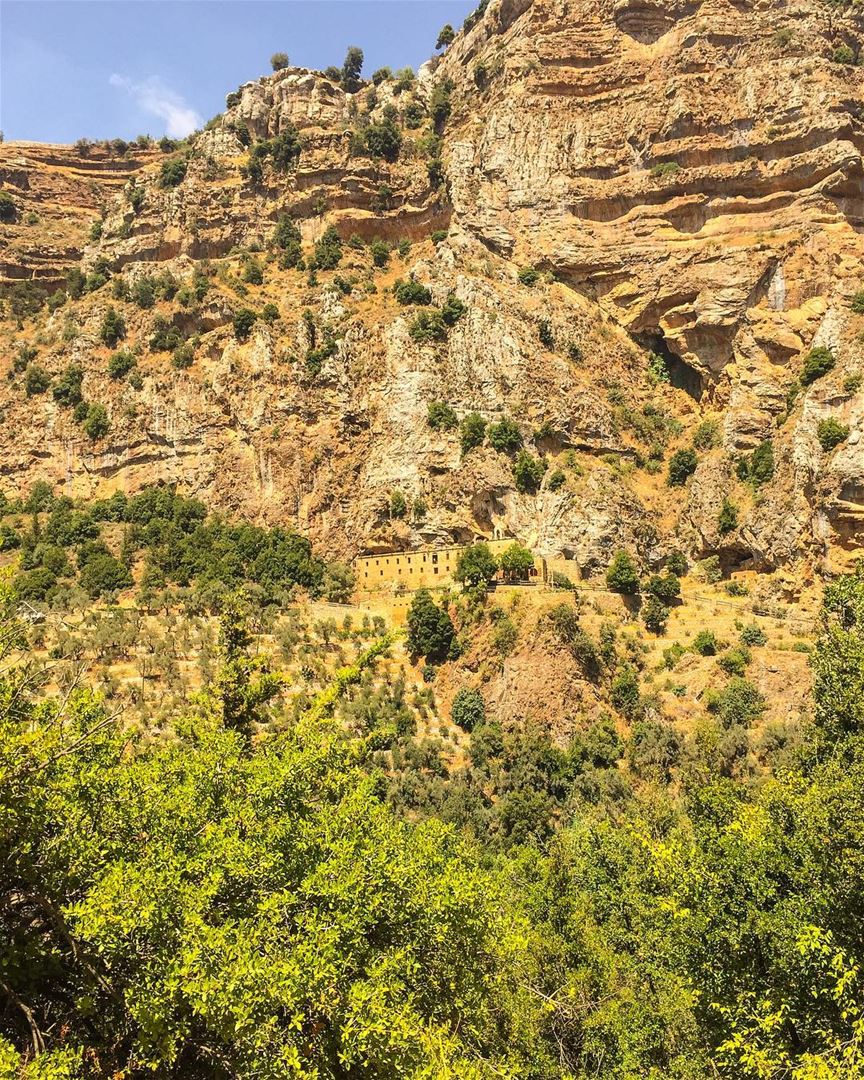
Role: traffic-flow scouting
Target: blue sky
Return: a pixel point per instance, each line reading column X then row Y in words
column 120, row 68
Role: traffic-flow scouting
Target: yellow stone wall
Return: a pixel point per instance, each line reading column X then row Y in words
column 429, row 569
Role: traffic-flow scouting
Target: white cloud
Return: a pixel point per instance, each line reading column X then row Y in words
column 153, row 96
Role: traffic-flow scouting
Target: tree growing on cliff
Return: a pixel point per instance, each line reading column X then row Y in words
column 113, row 328
column 682, row 465
column 279, row 61
column 351, row 68
column 445, row 36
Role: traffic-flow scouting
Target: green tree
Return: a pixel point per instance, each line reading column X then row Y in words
column 382, row 140
column 446, row 35
column 476, row 565
column 173, row 172
column 121, row 363
column 279, row 61
column 727, row 519
column 472, row 430
column 36, row 380
column 351, row 68
column 113, row 328
column 244, row 320
column 527, row 472
column 441, row 417
column 818, row 362
column 8, row 211
column 504, row 436
column 67, row 388
column 468, row 710
column 430, row 629
column 517, row 562
column 622, row 576
column 830, row 433
column 96, row 424
column 682, row 465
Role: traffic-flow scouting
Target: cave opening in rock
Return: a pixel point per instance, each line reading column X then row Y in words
column 681, row 375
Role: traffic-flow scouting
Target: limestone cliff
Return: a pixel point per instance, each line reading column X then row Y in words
column 687, row 180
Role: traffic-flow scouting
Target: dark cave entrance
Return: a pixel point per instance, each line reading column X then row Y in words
column 681, row 375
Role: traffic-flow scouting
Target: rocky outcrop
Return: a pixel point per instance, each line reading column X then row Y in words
column 687, row 181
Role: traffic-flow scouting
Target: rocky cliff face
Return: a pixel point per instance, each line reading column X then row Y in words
column 686, row 178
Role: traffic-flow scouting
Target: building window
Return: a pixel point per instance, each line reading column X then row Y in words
column 435, row 559
column 436, row 569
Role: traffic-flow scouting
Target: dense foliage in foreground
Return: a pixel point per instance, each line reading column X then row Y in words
column 216, row 905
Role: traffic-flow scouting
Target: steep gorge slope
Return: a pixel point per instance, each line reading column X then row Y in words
column 688, row 179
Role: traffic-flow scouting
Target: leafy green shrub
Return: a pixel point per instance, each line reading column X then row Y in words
column 735, row 661
column 165, row 335
column 624, row 693
column 380, row 251
column 453, row 310
column 173, row 172
column 666, row 587
column 707, row 435
column 682, row 465
column 677, row 564
column 830, row 433
column 705, row 643
column 727, row 519
column 753, row 634
column 655, row 615
column 556, row 480
column 528, row 276
column 622, row 575
column 67, row 388
column 121, row 363
column 446, row 36
column 472, row 431
column 857, row 303
column 762, row 462
column 739, row 702
column 382, row 140
column 279, row 61
column 253, row 271
column 398, row 506
column 381, row 75
column 328, row 249
column 142, row 292
column 527, row 472
column 468, row 710
column 36, row 380
column 843, row 54
column 428, row 326
column 183, row 356
column 243, row 321
column 8, row 211
column 412, row 292
column 504, row 436
column 658, row 369
column 351, row 68
column 817, row 363
column 441, row 417
column 440, row 104
column 96, row 424
column 113, row 328
column 665, row 168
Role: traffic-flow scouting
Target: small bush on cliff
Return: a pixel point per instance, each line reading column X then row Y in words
column 328, row 250
column 817, row 362
column 830, row 433
column 67, row 389
column 8, row 212
column 243, row 321
column 505, row 436
column 172, row 173
column 96, row 424
column 121, row 363
column 441, row 417
column 428, row 326
column 36, row 380
column 113, row 328
column 279, row 61
column 527, row 472
column 472, row 431
column 682, row 465
column 382, row 140
column 727, row 519
column 411, row 292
